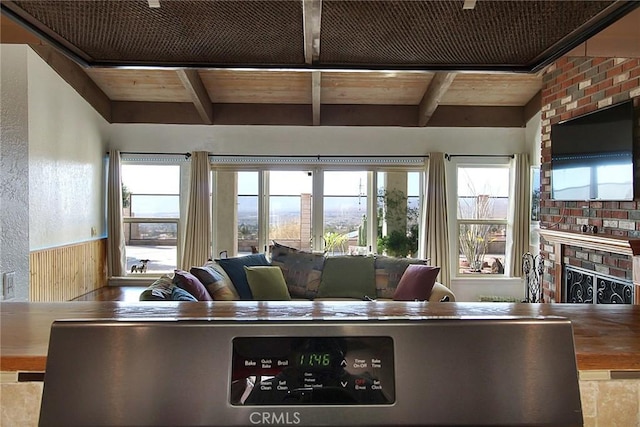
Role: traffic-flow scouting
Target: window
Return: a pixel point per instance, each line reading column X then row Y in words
column 482, row 213
column 290, row 208
column 398, row 213
column 311, row 207
column 248, row 212
column 345, row 210
column 151, row 217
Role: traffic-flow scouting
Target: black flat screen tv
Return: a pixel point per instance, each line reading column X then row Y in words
column 592, row 155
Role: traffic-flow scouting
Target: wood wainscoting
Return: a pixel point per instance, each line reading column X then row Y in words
column 66, row 272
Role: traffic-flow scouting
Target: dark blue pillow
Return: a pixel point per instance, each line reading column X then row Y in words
column 234, row 267
column 179, row 294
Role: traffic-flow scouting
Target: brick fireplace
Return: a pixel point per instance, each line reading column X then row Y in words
column 573, row 86
column 605, row 249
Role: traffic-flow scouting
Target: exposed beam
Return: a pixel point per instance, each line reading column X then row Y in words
column 75, row 76
column 316, row 88
column 312, row 12
column 437, row 88
column 533, row 106
column 300, row 115
column 459, row 116
column 183, row 113
column 469, row 4
column 198, row 93
column 11, row 32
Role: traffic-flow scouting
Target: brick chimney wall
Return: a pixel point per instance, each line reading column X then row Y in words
column 573, row 86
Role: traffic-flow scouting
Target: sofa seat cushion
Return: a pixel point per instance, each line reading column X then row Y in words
column 348, row 277
column 234, row 267
column 416, row 283
column 267, row 283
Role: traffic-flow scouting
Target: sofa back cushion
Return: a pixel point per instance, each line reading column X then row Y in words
column 348, row 277
column 234, row 267
column 218, row 287
column 302, row 270
column 389, row 271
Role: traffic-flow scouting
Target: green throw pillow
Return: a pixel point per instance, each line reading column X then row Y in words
column 267, row 283
column 348, row 277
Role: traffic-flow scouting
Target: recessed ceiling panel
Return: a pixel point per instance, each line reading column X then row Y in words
column 442, row 33
column 178, row 32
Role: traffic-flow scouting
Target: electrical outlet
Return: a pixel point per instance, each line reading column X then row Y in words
column 8, row 285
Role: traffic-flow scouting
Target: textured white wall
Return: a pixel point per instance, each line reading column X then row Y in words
column 67, row 151
column 14, row 173
column 301, row 140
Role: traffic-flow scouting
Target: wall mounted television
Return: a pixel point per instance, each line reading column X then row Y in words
column 592, row 156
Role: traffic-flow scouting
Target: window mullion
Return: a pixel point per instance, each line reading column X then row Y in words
column 263, row 210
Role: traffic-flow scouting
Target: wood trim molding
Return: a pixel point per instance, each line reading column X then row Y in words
column 599, row 242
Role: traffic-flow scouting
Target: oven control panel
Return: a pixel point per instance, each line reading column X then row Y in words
column 312, row 370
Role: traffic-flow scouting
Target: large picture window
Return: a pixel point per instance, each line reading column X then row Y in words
column 333, row 209
column 151, row 217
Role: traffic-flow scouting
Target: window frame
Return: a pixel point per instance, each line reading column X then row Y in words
column 454, row 223
column 179, row 221
column 317, row 204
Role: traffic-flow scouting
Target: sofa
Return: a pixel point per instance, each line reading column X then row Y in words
column 291, row 274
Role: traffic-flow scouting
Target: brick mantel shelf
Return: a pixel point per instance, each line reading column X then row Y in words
column 600, row 242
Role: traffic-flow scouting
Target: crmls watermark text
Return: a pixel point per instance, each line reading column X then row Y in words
column 275, row 418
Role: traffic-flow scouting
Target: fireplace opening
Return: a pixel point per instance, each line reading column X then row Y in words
column 583, row 286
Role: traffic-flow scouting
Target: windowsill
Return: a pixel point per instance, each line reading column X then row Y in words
column 142, row 280
column 484, row 278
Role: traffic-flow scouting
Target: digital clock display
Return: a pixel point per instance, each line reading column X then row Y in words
column 312, row 371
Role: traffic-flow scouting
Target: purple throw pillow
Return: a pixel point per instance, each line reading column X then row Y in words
column 416, row 283
column 191, row 284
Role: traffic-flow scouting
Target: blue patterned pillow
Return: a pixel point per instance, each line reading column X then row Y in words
column 179, row 294
column 234, row 267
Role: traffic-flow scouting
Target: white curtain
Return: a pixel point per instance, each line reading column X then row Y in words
column 197, row 236
column 434, row 235
column 116, row 255
column 521, row 211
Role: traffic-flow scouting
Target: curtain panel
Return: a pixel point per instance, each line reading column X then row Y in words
column 521, row 213
column 116, row 251
column 197, row 236
column 434, row 235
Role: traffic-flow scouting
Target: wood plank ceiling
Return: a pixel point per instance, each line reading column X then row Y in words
column 373, row 63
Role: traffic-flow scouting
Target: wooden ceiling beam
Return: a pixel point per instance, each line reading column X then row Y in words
column 300, row 115
column 76, row 77
column 312, row 12
column 316, row 89
column 437, row 88
column 533, row 106
column 198, row 94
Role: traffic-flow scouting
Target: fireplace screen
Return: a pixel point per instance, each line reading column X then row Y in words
column 590, row 287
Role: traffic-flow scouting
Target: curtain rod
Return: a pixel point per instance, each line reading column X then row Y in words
column 450, row 156
column 316, row 156
column 186, row 155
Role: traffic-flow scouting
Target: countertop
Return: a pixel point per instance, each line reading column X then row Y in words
column 607, row 337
